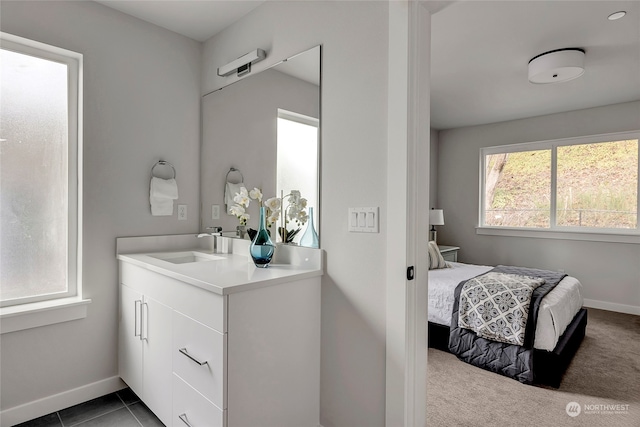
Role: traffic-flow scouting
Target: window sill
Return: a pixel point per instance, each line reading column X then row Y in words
column 591, row 236
column 34, row 315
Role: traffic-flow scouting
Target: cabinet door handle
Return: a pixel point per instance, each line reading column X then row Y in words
column 184, row 351
column 137, row 327
column 183, row 418
column 144, row 322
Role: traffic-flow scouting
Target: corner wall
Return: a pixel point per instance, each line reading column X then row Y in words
column 141, row 103
column 610, row 272
column 354, row 38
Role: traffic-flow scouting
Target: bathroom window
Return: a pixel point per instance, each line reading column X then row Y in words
column 297, row 158
column 40, row 144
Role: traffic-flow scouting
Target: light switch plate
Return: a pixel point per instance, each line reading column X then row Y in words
column 364, row 220
column 215, row 211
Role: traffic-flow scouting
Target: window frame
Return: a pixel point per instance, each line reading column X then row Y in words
column 624, row 235
column 74, row 62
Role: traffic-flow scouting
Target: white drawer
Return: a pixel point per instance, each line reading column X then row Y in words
column 204, row 306
column 204, row 345
column 190, row 408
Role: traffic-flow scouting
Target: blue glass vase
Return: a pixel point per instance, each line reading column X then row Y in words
column 262, row 248
column 310, row 237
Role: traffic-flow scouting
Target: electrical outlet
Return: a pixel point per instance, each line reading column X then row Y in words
column 182, row 212
column 215, row 211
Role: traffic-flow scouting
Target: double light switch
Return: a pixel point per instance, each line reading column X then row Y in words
column 364, row 220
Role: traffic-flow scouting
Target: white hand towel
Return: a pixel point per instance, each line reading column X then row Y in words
column 161, row 207
column 230, row 191
column 164, row 188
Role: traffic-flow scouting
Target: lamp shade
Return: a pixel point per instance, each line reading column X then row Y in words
column 436, row 217
column 557, row 66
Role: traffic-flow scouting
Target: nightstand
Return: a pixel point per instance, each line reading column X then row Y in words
column 449, row 253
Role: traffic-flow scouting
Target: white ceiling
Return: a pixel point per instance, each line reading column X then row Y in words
column 480, row 51
column 196, row 19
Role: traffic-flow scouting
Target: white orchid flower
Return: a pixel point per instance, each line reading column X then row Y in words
column 237, row 210
column 302, row 204
column 242, row 198
column 273, row 203
column 294, row 197
column 273, row 218
column 302, row 217
column 256, row 194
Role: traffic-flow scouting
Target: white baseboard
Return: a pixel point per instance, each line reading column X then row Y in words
column 620, row 308
column 57, row 402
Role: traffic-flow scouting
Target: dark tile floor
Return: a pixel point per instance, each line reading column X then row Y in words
column 119, row 409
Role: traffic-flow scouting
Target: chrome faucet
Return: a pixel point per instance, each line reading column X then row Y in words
column 215, row 231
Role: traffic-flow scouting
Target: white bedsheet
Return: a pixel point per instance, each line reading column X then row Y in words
column 557, row 310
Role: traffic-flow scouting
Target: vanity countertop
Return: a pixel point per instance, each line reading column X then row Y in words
column 232, row 272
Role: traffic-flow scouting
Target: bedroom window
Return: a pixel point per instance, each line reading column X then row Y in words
column 40, row 112
column 581, row 184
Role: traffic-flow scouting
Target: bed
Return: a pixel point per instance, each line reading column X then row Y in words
column 560, row 324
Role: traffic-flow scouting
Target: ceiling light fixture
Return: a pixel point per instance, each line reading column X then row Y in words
column 557, row 66
column 242, row 65
column 616, row 15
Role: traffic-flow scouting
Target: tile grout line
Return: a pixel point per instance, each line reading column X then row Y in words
column 97, row 416
column 128, row 409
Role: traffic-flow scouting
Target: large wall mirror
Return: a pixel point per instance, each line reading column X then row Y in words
column 262, row 131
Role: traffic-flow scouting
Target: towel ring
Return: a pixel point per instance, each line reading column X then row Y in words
column 226, row 178
column 163, row 163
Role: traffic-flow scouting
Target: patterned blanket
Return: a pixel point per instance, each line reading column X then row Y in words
column 496, row 306
column 514, row 361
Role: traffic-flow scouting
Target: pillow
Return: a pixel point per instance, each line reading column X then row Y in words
column 435, row 257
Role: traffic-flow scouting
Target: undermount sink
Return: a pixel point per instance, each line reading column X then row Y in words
column 185, row 257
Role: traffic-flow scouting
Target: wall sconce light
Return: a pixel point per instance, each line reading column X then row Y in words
column 436, row 217
column 242, row 65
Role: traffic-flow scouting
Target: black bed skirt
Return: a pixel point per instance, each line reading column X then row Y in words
column 548, row 366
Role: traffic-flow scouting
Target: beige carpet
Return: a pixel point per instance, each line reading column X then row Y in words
column 603, row 378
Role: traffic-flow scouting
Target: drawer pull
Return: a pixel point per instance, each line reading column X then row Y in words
column 183, row 418
column 184, row 351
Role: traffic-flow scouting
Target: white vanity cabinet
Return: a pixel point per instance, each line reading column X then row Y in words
column 245, row 356
column 144, row 353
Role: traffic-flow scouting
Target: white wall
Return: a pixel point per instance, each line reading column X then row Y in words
column 610, row 272
column 354, row 147
column 433, row 169
column 141, row 103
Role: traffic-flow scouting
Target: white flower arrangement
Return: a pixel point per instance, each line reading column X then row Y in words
column 242, row 200
column 294, row 212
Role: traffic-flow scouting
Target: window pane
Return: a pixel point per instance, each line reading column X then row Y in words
column 33, row 176
column 297, row 162
column 518, row 189
column 598, row 185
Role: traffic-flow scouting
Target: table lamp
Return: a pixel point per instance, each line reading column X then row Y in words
column 436, row 217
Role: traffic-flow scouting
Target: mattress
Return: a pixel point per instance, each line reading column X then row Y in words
column 556, row 311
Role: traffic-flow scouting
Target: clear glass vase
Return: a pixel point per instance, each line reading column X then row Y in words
column 310, row 237
column 262, row 248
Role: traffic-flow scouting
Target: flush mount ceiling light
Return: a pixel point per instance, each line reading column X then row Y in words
column 557, row 66
column 616, row 15
column 242, row 65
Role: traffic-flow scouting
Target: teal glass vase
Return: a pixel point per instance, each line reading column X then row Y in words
column 310, row 238
column 262, row 248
